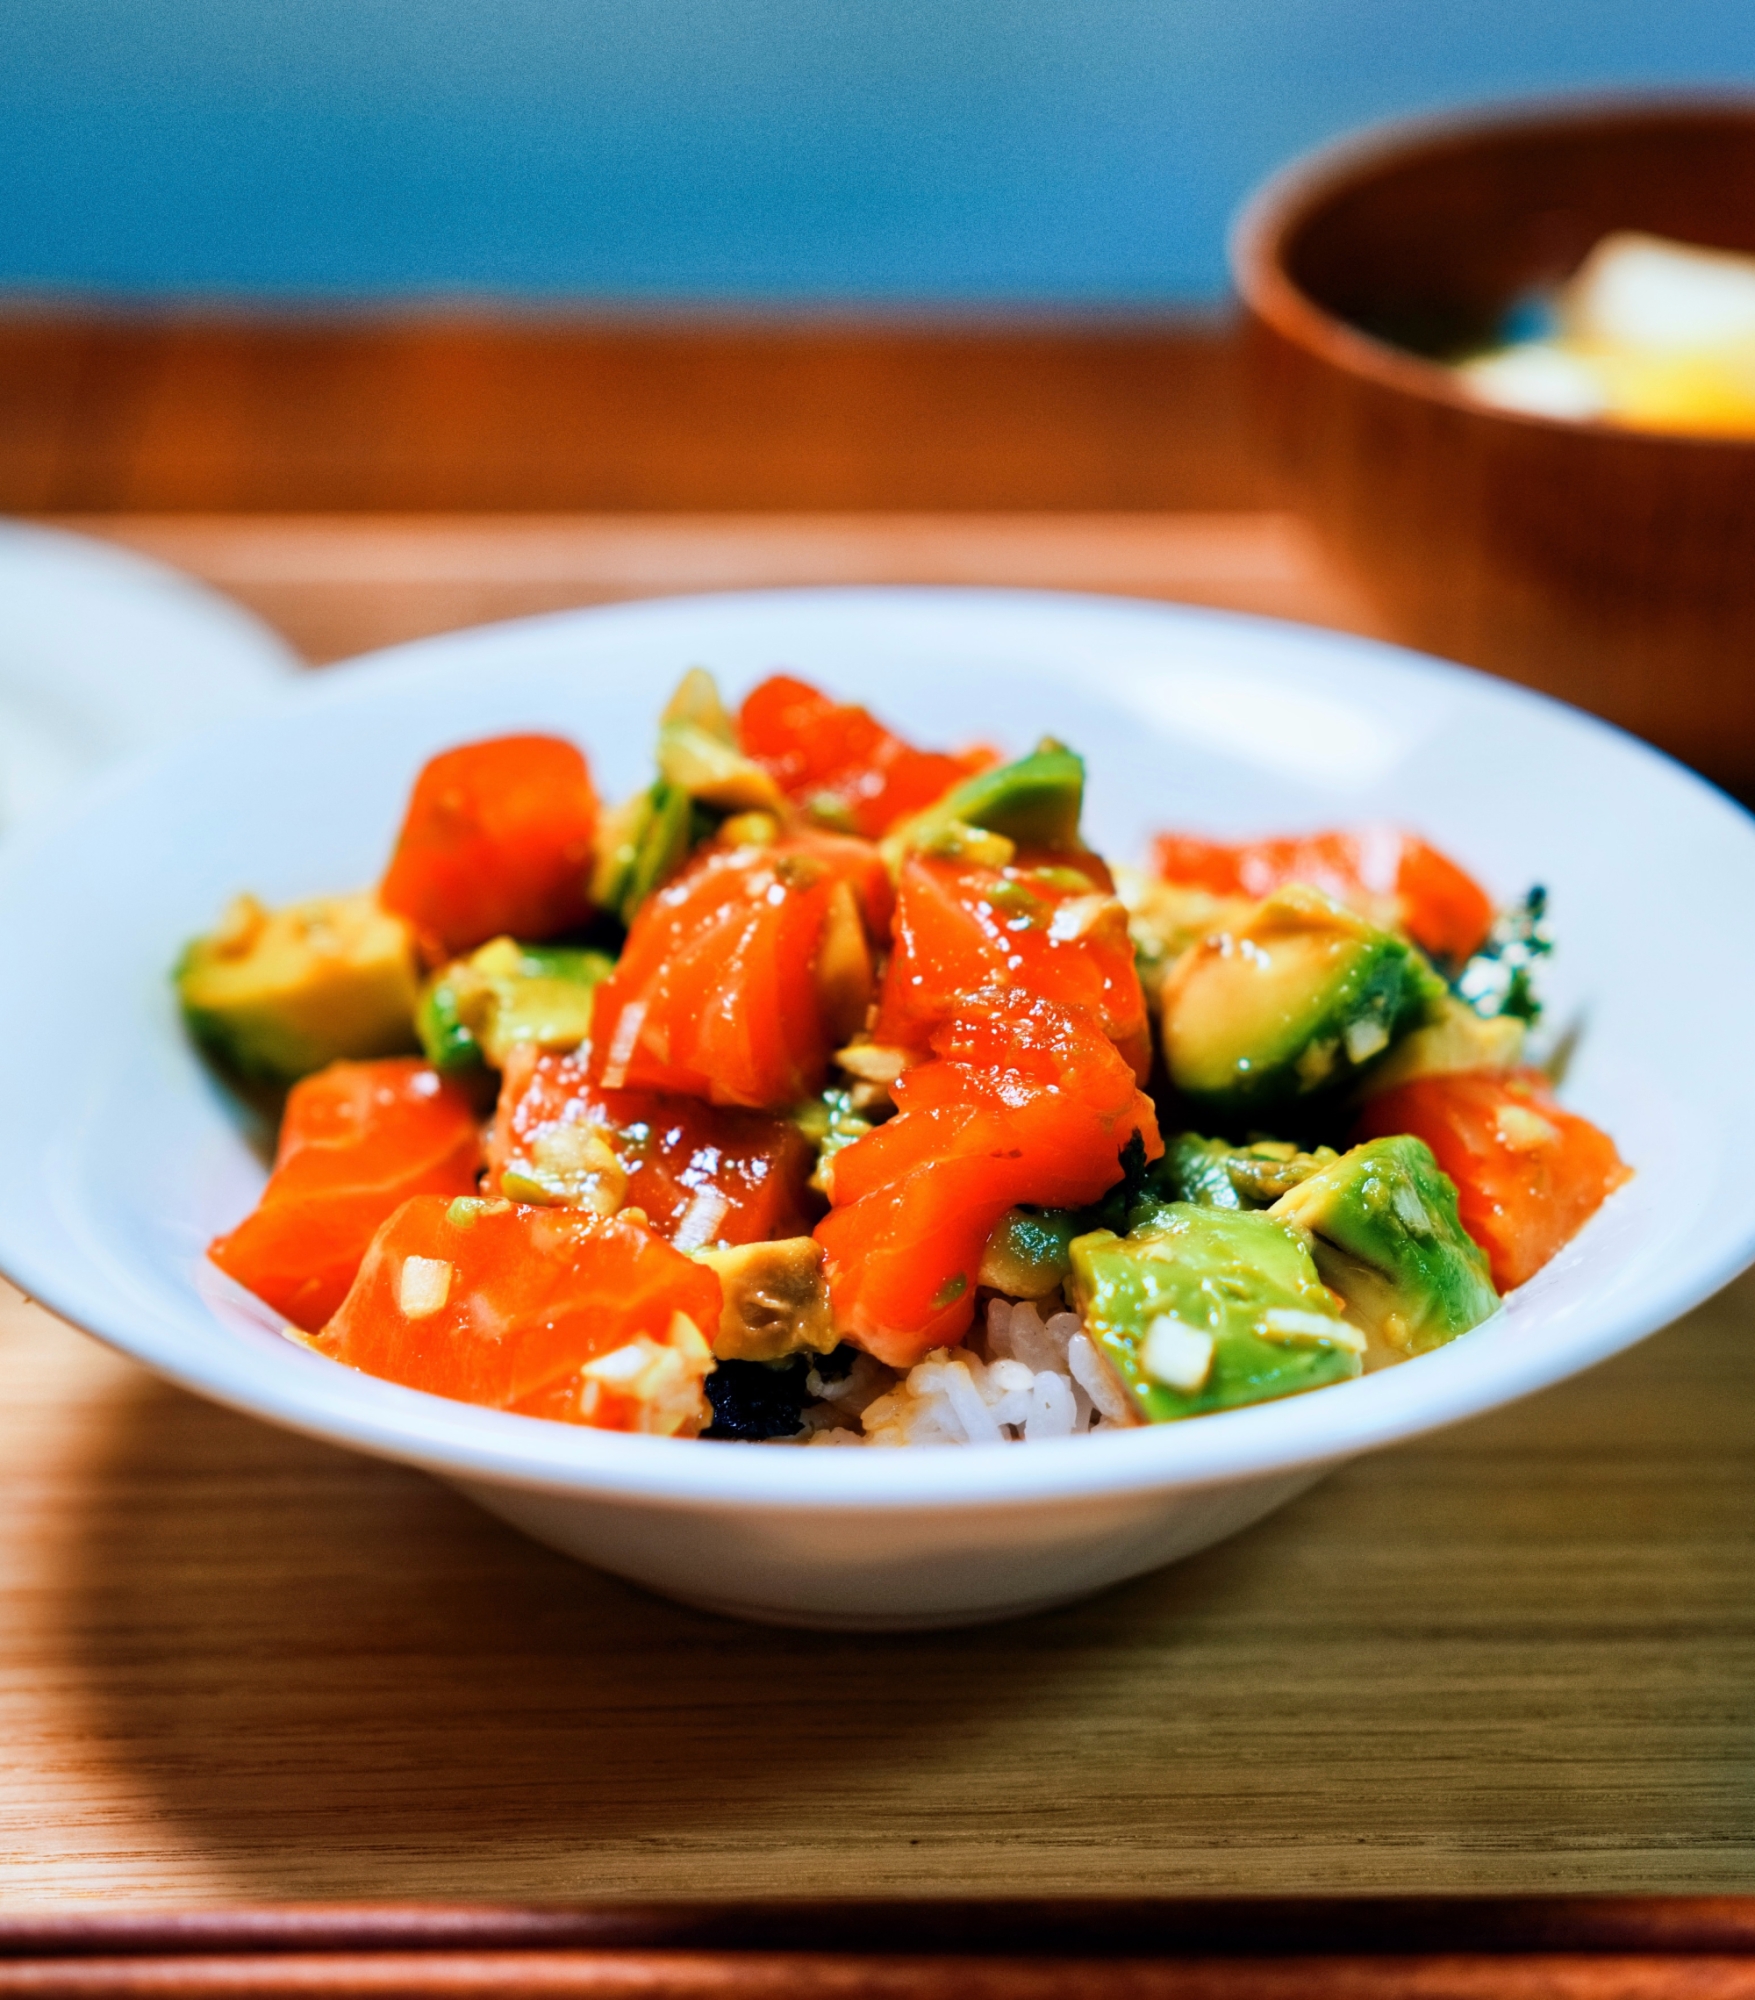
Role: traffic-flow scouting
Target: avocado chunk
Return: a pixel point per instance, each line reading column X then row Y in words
column 831, row 1123
column 1028, row 1255
column 1165, row 918
column 775, row 1300
column 276, row 994
column 1196, row 1170
column 642, row 844
column 1455, row 1038
column 1290, row 1007
column 478, row 1007
column 1034, row 802
column 1384, row 1229
column 702, row 777
column 698, row 753
column 1215, row 1175
column 1208, row 1309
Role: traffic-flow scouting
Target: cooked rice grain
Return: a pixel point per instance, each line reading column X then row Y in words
column 1022, row 1379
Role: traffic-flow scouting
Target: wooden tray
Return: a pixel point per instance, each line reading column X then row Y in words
column 1624, row 1948
column 240, row 1669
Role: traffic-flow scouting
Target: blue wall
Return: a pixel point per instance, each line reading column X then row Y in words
column 939, row 151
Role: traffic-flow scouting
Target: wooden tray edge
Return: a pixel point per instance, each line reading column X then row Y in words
column 1081, row 1927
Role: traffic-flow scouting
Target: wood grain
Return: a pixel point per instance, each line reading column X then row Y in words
column 238, row 1666
column 341, row 584
column 427, row 413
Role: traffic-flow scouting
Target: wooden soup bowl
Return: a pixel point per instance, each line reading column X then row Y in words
column 1613, row 568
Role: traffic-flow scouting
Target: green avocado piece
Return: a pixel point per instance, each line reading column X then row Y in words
column 1290, row 1006
column 664, row 846
column 1034, row 802
column 477, row 1008
column 446, row 1038
column 1208, row 1309
column 831, row 1124
column 1386, row 1236
column 698, row 752
column 645, row 842
column 1194, row 1169
column 1215, row 1175
column 276, row 994
column 1028, row 1254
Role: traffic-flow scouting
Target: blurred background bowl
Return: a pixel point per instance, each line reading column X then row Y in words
column 1613, row 568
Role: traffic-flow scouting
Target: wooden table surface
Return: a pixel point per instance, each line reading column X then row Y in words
column 446, row 410
column 237, row 1666
column 340, row 584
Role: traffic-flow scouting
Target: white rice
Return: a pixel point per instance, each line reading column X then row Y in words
column 1019, row 1379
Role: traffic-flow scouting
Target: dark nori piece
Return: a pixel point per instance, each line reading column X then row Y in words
column 753, row 1400
column 834, row 1369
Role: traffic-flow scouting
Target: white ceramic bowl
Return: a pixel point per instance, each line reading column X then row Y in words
column 103, row 653
column 123, row 1156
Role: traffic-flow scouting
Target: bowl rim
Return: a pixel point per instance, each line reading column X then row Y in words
column 461, row 1442
column 1262, row 227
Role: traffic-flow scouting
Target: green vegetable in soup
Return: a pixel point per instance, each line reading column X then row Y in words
column 274, row 995
column 1384, row 1229
column 1289, row 1007
column 1208, row 1309
column 478, row 1008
